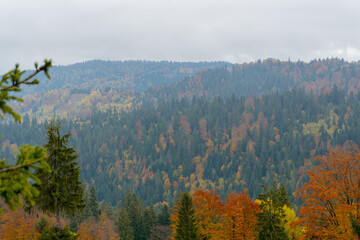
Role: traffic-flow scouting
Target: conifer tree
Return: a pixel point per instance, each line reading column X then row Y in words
column 149, row 221
column 134, row 208
column 271, row 221
column 61, row 191
column 93, row 203
column 14, row 179
column 186, row 225
column 164, row 216
column 76, row 220
column 125, row 230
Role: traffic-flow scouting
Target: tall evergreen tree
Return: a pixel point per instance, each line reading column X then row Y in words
column 93, row 203
column 186, row 225
column 125, row 230
column 61, row 191
column 134, row 209
column 164, row 216
column 149, row 221
column 271, row 221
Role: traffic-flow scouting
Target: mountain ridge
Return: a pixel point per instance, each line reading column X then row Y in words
column 247, row 79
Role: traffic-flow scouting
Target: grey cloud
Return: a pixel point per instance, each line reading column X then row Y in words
column 196, row 30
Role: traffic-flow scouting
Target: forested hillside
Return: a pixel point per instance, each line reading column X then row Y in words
column 180, row 120
column 119, row 75
column 227, row 145
column 76, row 91
column 263, row 77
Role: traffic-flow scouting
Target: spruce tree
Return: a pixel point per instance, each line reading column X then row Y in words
column 61, row 191
column 164, row 216
column 271, row 220
column 134, row 208
column 149, row 221
column 93, row 203
column 186, row 226
column 125, row 230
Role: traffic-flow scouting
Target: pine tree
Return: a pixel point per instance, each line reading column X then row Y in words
column 149, row 221
column 61, row 191
column 134, row 208
column 164, row 216
column 125, row 230
column 186, row 225
column 271, row 221
column 93, row 203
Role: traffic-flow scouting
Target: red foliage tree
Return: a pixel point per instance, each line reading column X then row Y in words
column 332, row 195
column 208, row 211
column 236, row 219
column 239, row 219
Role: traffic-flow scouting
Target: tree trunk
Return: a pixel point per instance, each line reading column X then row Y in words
column 57, row 225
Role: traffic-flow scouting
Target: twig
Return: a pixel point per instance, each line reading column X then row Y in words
column 14, row 168
column 21, row 82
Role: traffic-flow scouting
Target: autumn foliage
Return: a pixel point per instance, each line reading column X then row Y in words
column 208, row 211
column 332, row 195
column 233, row 219
column 239, row 219
column 91, row 229
column 17, row 225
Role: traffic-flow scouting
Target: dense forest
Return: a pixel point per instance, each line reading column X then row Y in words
column 77, row 90
column 119, row 75
column 189, row 158
column 226, row 145
column 261, row 77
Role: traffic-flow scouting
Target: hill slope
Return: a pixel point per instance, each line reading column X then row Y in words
column 220, row 139
column 263, row 77
column 79, row 89
column 227, row 145
column 119, row 75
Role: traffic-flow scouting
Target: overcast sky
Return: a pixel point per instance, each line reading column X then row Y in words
column 70, row 31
